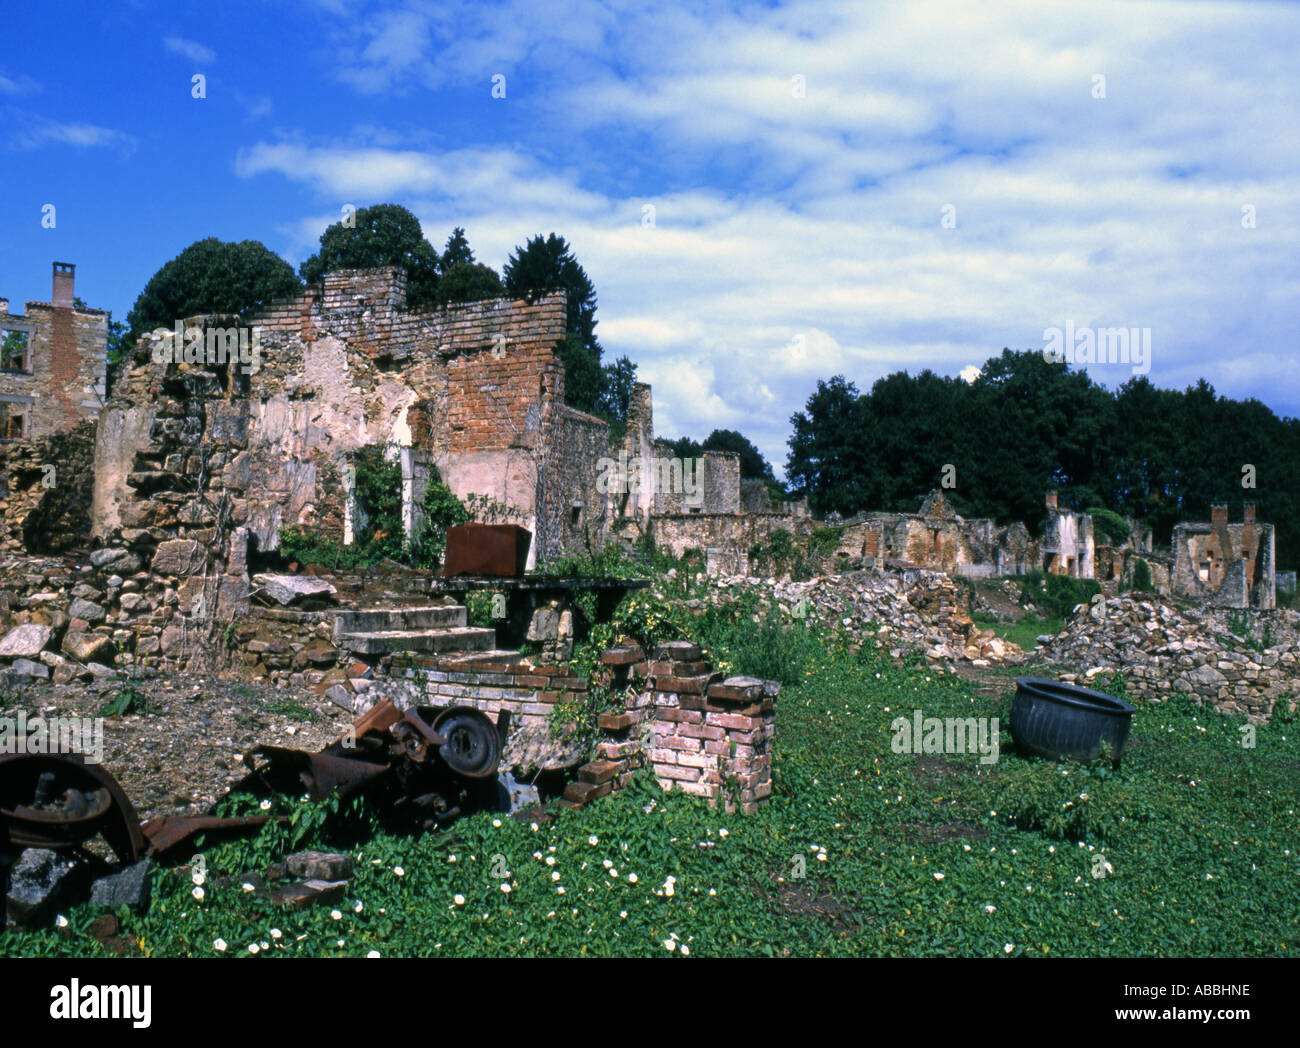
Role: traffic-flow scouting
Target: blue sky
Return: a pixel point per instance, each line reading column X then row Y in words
column 797, row 226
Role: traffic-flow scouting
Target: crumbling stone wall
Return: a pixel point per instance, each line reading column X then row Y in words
column 45, row 492
column 728, row 531
column 715, row 487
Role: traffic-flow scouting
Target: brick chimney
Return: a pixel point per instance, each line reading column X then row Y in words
column 1050, row 499
column 63, row 280
column 63, row 356
column 1218, row 513
column 1248, row 512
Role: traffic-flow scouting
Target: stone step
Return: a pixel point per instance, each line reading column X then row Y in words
column 431, row 641
column 386, row 620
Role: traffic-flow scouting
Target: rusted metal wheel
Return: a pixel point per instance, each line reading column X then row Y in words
column 92, row 803
column 473, row 746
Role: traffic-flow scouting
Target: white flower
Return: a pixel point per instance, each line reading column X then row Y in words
column 219, row 945
column 398, row 872
column 670, row 945
column 724, row 833
column 938, row 876
column 550, row 860
column 607, row 864
column 631, row 878
column 496, row 823
column 373, row 953
column 197, row 892
column 965, row 847
column 1008, row 947
column 336, row 915
column 253, row 947
column 61, row 921
column 340, row 944
column 990, row 909
column 249, row 887
column 713, row 891
column 560, row 890
column 555, row 875
column 265, row 805
column 593, row 841
column 623, row 914
column 613, row 873
column 197, row 877
column 276, row 933
column 505, row 888
column 358, row 907
column 533, row 826
column 459, row 900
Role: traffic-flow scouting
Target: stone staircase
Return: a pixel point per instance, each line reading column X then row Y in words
column 427, row 629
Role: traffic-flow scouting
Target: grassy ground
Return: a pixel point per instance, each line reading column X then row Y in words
column 1025, row 632
column 1191, row 848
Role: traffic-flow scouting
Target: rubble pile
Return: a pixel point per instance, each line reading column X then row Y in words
column 908, row 610
column 1163, row 650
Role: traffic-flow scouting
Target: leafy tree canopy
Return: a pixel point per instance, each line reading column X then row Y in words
column 382, row 235
column 1027, row 424
column 212, row 276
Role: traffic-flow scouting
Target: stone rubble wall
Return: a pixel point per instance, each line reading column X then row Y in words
column 1162, row 650
column 44, row 497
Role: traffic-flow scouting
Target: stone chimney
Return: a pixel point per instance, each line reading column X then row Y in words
column 1218, row 513
column 1248, row 512
column 62, row 294
column 1051, row 500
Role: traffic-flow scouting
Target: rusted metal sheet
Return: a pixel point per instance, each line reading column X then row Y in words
column 164, row 832
column 487, row 549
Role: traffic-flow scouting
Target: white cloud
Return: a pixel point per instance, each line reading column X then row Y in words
column 821, row 215
column 18, row 85
column 195, row 52
column 40, row 133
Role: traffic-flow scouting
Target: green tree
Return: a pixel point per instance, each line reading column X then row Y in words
column 468, row 282
column 615, row 398
column 382, row 235
column 212, row 276
column 829, row 461
column 752, row 463
column 547, row 264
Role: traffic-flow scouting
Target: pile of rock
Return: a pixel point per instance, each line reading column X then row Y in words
column 1163, row 650
column 908, row 610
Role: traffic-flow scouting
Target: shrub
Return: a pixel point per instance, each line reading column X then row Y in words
column 440, row 511
column 1111, row 525
column 825, row 540
column 1142, row 577
column 1056, row 595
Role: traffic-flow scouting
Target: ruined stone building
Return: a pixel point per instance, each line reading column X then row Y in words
column 224, row 433
column 692, row 504
column 53, row 365
column 1067, row 546
column 1226, row 565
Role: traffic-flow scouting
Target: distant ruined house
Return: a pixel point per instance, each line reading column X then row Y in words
column 1226, row 565
column 52, row 373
